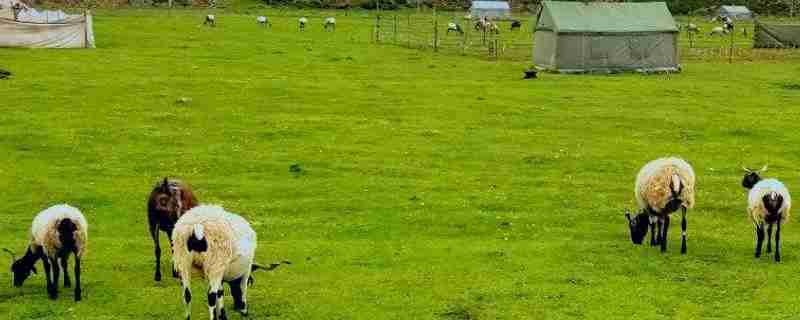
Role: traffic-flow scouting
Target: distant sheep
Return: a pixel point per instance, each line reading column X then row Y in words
column 211, row 20
column 169, row 200
column 222, row 246
column 263, row 21
column 718, row 31
column 56, row 233
column 769, row 203
column 454, row 27
column 515, row 25
column 692, row 28
column 302, row 23
column 662, row 187
column 330, row 24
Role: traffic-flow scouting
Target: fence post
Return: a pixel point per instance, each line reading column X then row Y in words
column 395, row 28
column 435, row 31
column 408, row 36
column 730, row 56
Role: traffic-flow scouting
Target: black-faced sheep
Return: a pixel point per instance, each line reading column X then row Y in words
column 263, row 21
column 768, row 203
column 56, row 233
column 454, row 27
column 515, row 25
column 662, row 187
column 301, row 23
column 168, row 200
column 330, row 24
column 211, row 20
column 222, row 246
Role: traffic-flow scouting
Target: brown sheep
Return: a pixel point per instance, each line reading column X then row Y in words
column 169, row 200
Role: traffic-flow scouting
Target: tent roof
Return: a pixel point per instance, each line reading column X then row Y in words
column 490, row 5
column 606, row 17
column 734, row 9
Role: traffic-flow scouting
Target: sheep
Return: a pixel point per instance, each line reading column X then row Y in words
column 56, row 233
column 211, row 20
column 452, row 26
column 768, row 202
column 220, row 244
column 168, row 200
column 692, row 28
column 263, row 21
column 515, row 25
column 468, row 17
column 718, row 31
column 330, row 24
column 662, row 187
column 302, row 23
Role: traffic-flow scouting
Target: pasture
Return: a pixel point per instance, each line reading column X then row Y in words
column 430, row 186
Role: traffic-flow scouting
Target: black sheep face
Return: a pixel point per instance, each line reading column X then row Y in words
column 21, row 270
column 638, row 226
column 773, row 203
column 750, row 179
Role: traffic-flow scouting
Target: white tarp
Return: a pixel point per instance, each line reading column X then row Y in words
column 74, row 31
column 46, row 16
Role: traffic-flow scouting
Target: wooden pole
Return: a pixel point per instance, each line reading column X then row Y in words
column 730, row 55
column 395, row 28
column 408, row 36
column 435, row 31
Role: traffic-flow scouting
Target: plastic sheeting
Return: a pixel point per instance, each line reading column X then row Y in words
column 492, row 9
column 46, row 16
column 74, row 31
column 735, row 12
column 776, row 36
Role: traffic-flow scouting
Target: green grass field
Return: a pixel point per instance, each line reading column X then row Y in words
column 433, row 186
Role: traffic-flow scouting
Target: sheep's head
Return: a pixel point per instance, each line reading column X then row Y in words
column 751, row 177
column 166, row 198
column 773, row 203
column 638, row 226
column 21, row 268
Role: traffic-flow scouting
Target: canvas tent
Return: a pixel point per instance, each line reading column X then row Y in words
column 776, row 36
column 67, row 31
column 735, row 12
column 491, row 9
column 605, row 37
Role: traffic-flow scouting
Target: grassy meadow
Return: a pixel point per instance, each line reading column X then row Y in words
column 432, row 186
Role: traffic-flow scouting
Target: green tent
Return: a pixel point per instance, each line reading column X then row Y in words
column 605, row 37
column 776, row 36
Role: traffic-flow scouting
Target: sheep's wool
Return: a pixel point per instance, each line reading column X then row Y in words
column 231, row 243
column 653, row 183
column 44, row 232
column 755, row 204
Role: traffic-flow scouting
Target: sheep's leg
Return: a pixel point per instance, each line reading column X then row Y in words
column 683, row 231
column 659, row 224
column 187, row 296
column 174, row 270
column 778, row 241
column 221, row 303
column 236, row 293
column 769, row 238
column 77, row 276
column 51, row 291
column 653, row 241
column 154, row 235
column 64, row 261
column 56, row 273
column 759, row 239
column 664, row 234
column 213, row 294
column 244, row 285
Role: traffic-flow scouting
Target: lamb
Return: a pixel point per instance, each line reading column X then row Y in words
column 302, row 23
column 769, row 203
column 718, row 31
column 168, row 200
column 452, row 26
column 515, row 25
column 56, row 233
column 662, row 187
column 263, row 21
column 211, row 20
column 220, row 244
column 330, row 24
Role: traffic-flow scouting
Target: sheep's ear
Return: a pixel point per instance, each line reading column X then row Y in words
column 746, row 169
column 33, row 269
column 627, row 215
column 165, row 185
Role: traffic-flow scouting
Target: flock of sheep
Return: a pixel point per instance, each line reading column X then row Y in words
column 329, row 24
column 666, row 185
column 726, row 28
column 483, row 24
column 219, row 244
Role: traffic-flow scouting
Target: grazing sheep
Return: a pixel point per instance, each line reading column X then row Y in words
column 302, row 23
column 56, row 233
column 515, row 25
column 263, row 21
column 330, row 24
column 168, row 200
column 221, row 245
column 692, row 28
column 662, row 187
column 718, row 31
column 452, row 26
column 769, row 203
column 468, row 17
column 210, row 20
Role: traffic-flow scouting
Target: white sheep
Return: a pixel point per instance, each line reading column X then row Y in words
column 452, row 26
column 662, row 187
column 56, row 233
column 718, row 31
column 302, row 23
column 263, row 21
column 211, row 20
column 330, row 24
column 220, row 244
column 692, row 28
column 770, row 203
